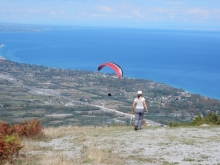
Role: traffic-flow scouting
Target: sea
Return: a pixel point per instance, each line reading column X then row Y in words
column 185, row 59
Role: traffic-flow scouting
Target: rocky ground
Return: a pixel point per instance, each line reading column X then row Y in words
column 123, row 145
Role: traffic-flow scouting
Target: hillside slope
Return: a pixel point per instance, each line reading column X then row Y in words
column 123, row 145
column 62, row 97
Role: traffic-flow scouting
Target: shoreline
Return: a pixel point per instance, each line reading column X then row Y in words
column 2, row 58
column 168, row 84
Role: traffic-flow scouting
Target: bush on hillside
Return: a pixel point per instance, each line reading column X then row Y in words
column 172, row 124
column 4, row 129
column 9, row 147
column 213, row 118
column 28, row 129
column 210, row 119
column 10, row 135
column 198, row 120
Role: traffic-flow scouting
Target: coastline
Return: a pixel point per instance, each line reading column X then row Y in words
column 1, row 58
column 168, row 84
column 172, row 64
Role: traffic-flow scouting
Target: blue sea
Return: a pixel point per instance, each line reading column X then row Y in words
column 184, row 59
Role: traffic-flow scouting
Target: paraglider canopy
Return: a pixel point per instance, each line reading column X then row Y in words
column 114, row 66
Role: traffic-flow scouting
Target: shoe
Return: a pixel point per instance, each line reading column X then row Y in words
column 136, row 127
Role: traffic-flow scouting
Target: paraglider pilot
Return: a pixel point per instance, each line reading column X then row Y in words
column 138, row 106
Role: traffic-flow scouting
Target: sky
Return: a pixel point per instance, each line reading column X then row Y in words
column 165, row 14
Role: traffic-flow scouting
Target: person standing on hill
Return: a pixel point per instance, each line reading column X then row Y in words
column 138, row 106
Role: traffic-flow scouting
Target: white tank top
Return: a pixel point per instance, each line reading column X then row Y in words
column 139, row 103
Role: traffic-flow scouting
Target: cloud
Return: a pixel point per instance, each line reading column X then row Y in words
column 216, row 13
column 137, row 13
column 53, row 13
column 2, row 11
column 125, row 16
column 175, row 3
column 82, row 13
column 159, row 10
column 198, row 12
column 99, row 15
column 105, row 9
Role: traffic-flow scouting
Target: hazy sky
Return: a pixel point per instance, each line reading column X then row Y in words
column 187, row 14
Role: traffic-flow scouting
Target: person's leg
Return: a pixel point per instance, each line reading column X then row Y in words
column 141, row 114
column 136, row 122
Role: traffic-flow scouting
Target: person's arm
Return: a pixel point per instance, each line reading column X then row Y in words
column 133, row 106
column 145, row 106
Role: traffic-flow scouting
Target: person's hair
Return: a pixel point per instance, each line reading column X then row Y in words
column 139, row 95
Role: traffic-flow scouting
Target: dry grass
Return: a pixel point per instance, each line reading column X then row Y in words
column 87, row 154
column 62, row 131
column 57, row 159
column 56, row 132
column 122, row 145
column 30, row 145
column 101, row 156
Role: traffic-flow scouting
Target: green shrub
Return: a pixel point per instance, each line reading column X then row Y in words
column 199, row 120
column 210, row 119
column 9, row 147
